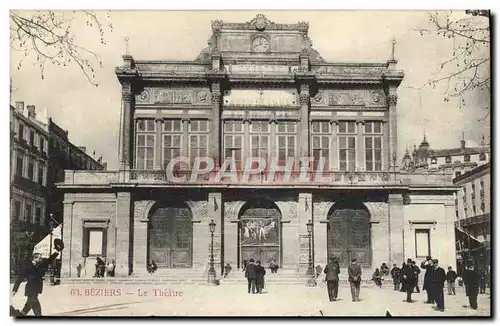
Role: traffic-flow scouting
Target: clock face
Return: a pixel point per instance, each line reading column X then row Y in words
column 260, row 44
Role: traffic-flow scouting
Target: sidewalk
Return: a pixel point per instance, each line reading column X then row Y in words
column 233, row 300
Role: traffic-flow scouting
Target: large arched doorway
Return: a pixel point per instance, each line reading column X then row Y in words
column 349, row 233
column 260, row 232
column 171, row 236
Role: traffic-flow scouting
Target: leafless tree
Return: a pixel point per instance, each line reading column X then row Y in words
column 468, row 68
column 49, row 37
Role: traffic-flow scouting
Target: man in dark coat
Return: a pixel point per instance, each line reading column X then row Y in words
column 251, row 275
column 409, row 276
column 471, row 280
column 417, row 273
column 427, row 265
column 438, row 277
column 403, row 281
column 33, row 273
column 354, row 272
column 260, row 272
column 451, row 276
column 332, row 271
column 396, row 274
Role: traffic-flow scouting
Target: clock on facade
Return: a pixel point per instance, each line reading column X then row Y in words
column 260, row 44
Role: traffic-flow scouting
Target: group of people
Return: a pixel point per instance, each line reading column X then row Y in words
column 254, row 273
column 332, row 271
column 104, row 267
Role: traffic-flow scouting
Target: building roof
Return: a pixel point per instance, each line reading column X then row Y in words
column 460, row 151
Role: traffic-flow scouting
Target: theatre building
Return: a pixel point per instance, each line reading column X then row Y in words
column 258, row 89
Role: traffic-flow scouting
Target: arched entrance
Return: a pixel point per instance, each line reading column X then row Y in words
column 259, row 236
column 348, row 233
column 170, row 236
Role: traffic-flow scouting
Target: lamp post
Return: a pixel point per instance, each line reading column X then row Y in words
column 311, row 281
column 211, row 272
column 51, row 267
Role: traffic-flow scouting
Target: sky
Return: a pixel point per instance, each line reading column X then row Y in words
column 91, row 114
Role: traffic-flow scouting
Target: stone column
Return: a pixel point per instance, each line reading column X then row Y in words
column 320, row 241
column 230, row 241
column 127, row 128
column 215, row 208
column 450, row 250
column 392, row 100
column 386, row 156
column 201, row 235
column 140, row 245
column 334, row 150
column 290, row 244
column 360, row 147
column 215, row 138
column 159, row 144
column 396, row 225
column 380, row 241
column 70, row 233
column 304, row 120
column 123, row 225
column 305, row 210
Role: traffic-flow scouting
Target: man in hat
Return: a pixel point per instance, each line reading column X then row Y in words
column 427, row 265
column 471, row 279
column 33, row 273
column 451, row 276
column 438, row 277
column 354, row 272
column 332, row 270
column 409, row 277
column 396, row 274
column 251, row 275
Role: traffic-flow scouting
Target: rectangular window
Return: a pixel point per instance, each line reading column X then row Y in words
column 373, row 145
column 21, row 131
column 19, row 165
column 29, row 213
column 145, row 125
column 286, row 140
column 94, row 241
column 32, row 138
column 40, row 174
column 320, row 144
column 422, row 243
column 38, row 215
column 31, row 171
column 17, row 210
column 145, row 151
column 260, row 134
column 172, row 140
column 42, row 145
column 347, row 145
column 233, row 141
column 198, row 139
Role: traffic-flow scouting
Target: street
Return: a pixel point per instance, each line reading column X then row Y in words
column 233, row 300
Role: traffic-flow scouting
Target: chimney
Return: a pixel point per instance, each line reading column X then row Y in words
column 20, row 106
column 83, row 149
column 31, row 111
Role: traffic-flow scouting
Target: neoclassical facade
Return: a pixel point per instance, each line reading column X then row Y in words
column 258, row 90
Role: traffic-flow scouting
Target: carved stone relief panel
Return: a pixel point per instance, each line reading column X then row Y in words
column 139, row 209
column 378, row 210
column 174, row 96
column 289, row 209
column 355, row 97
column 232, row 209
column 199, row 209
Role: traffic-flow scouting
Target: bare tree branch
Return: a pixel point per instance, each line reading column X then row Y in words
column 49, row 36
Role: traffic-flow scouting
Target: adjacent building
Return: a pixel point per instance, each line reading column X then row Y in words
column 259, row 89
column 40, row 151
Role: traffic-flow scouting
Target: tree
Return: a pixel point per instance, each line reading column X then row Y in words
column 49, row 37
column 468, row 68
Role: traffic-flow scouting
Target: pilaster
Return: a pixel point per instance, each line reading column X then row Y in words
column 68, row 269
column 127, row 130
column 215, row 126
column 123, row 226
column 334, row 152
column 304, row 120
column 140, row 245
column 450, row 252
column 386, row 153
column 360, row 147
column 158, row 144
column 392, row 100
column 396, row 227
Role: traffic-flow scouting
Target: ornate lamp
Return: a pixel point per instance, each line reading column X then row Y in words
column 212, row 276
column 311, row 281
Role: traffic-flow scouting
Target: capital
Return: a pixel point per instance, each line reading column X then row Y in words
column 127, row 93
column 216, row 97
column 304, row 98
column 392, row 99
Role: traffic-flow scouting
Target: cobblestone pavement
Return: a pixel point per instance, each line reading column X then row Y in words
column 233, row 300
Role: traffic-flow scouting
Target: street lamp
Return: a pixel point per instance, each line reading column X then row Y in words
column 211, row 272
column 311, row 281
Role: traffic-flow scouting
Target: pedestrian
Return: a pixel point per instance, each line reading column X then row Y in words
column 227, row 269
column 417, row 273
column 354, row 272
column 471, row 280
column 451, row 276
column 384, row 270
column 438, row 277
column 403, row 280
column 377, row 277
column 332, row 270
column 79, row 270
column 396, row 274
column 409, row 278
column 482, row 281
column 427, row 265
column 251, row 275
column 34, row 273
column 260, row 271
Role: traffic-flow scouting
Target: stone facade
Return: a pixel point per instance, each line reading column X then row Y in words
column 258, row 89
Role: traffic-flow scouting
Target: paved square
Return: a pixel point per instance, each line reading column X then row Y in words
column 233, row 300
